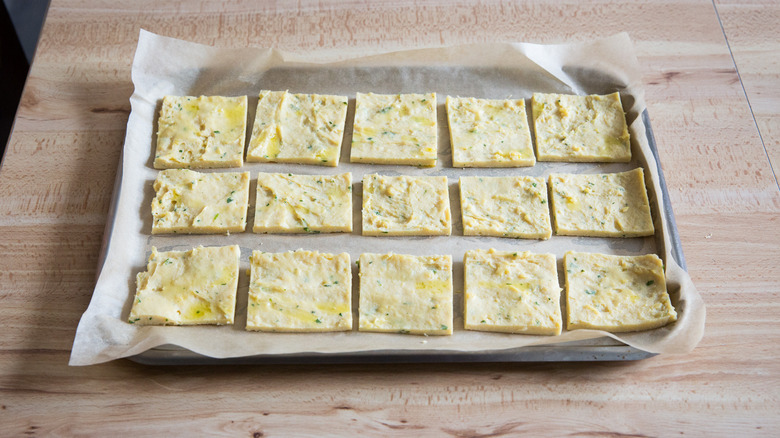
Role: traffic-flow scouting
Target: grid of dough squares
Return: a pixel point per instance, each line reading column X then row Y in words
column 288, row 203
column 299, row 291
column 405, row 294
column 616, row 293
column 395, row 129
column 201, row 132
column 310, row 291
column 489, row 133
column 298, row 128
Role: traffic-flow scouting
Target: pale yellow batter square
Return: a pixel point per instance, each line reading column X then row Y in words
column 616, row 293
column 298, row 128
column 395, row 129
column 406, row 206
column 601, row 205
column 580, row 128
column 201, row 132
column 199, row 203
column 512, row 292
column 489, row 133
column 288, row 203
column 507, row 206
column 187, row 287
column 405, row 294
column 299, row 291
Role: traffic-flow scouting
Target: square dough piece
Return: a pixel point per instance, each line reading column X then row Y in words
column 512, row 292
column 300, row 291
column 616, row 293
column 406, row 206
column 395, row 129
column 601, row 205
column 580, row 128
column 187, row 287
column 199, row 203
column 507, row 206
column 489, row 133
column 298, row 128
column 201, row 132
column 288, row 203
column 406, row 294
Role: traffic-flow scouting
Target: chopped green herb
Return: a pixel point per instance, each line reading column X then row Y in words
column 443, row 327
column 649, row 283
column 590, row 292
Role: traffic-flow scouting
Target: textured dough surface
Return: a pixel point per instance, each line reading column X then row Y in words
column 201, row 132
column 199, row 203
column 395, row 129
column 508, row 206
column 288, row 203
column 601, row 205
column 512, row 292
column 187, row 287
column 298, row 128
column 580, row 128
column 299, row 291
column 406, row 206
column 616, row 293
column 489, row 133
column 406, row 294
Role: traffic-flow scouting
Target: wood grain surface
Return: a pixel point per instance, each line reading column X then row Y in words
column 713, row 100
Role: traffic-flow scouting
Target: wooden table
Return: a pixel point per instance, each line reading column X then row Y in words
column 713, row 92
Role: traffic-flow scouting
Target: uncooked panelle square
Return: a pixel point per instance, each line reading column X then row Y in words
column 298, row 128
column 489, row 132
column 395, row 129
column 601, row 205
column 506, row 206
column 201, row 132
column 580, row 128
column 187, row 287
column 299, row 291
column 406, row 206
column 616, row 293
column 406, row 294
column 191, row 202
column 512, row 292
column 291, row 203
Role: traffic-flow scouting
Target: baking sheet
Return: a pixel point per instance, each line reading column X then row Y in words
column 168, row 66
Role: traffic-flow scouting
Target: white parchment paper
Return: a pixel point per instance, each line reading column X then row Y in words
column 169, row 66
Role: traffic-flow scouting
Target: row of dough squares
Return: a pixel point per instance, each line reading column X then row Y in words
column 305, row 291
column 209, row 131
column 605, row 205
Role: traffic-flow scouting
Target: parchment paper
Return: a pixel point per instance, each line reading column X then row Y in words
column 168, row 66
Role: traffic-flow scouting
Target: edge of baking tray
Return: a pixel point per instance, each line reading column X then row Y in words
column 577, row 351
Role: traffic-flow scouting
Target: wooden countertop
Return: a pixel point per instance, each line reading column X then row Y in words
column 713, row 93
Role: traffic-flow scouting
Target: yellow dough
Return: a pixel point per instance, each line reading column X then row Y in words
column 512, row 292
column 395, row 129
column 616, row 293
column 406, row 294
column 201, row 132
column 199, row 203
column 580, row 128
column 300, row 291
column 602, row 205
column 509, row 206
column 406, row 206
column 187, row 287
column 489, row 133
column 298, row 128
column 288, row 203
